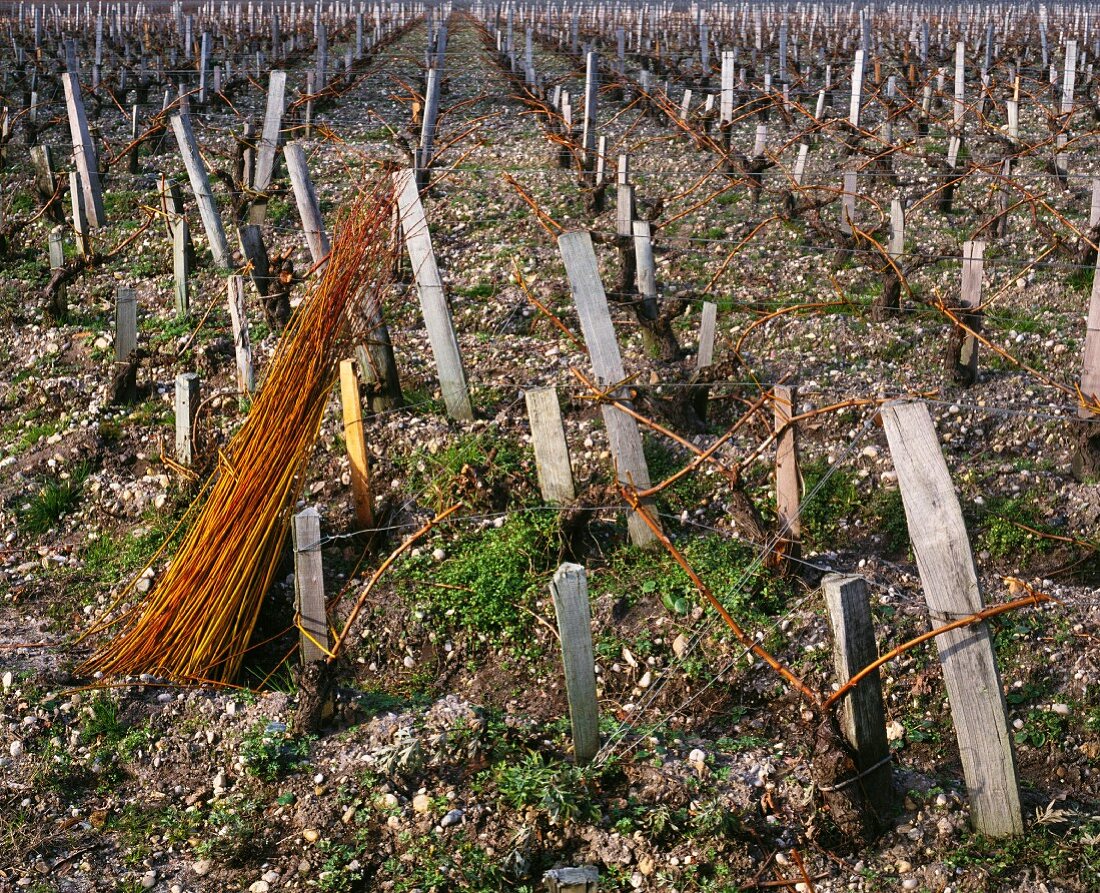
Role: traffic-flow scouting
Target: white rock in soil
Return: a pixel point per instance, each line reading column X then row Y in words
column 7, row 680
column 203, row 867
column 422, row 803
column 149, row 880
column 910, row 883
column 272, row 877
column 452, row 818
column 1061, row 709
column 259, row 887
column 679, row 645
column 895, row 731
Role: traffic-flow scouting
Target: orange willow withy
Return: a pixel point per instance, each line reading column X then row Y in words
column 196, row 622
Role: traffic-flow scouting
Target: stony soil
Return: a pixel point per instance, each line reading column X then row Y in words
column 447, row 764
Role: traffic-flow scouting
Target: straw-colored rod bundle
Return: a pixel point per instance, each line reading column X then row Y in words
column 196, row 622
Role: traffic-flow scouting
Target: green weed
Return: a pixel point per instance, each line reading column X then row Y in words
column 57, row 497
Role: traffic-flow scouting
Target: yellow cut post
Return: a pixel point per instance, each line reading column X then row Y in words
column 356, row 444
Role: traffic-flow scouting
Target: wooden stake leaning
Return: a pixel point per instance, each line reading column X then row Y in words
column 950, row 579
column 200, row 185
column 599, row 335
column 306, row 198
column 433, row 301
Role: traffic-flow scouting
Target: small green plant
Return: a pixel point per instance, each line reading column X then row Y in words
column 836, row 499
column 269, row 751
column 235, row 831
column 481, row 290
column 887, row 516
column 340, row 872
column 57, row 497
column 557, row 790
column 486, row 584
column 1003, row 528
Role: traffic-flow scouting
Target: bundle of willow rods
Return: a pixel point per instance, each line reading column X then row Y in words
column 196, row 622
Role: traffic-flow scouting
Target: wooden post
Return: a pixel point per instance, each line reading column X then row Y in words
column 1086, row 456
column 306, row 198
column 707, row 326
column 433, row 301
column 84, row 151
column 45, row 182
column 857, row 89
column 787, row 478
column 427, row 126
column 897, row 228
column 848, row 202
column 238, row 317
column 200, row 185
column 80, row 218
column 269, row 144
column 591, row 93
column 251, row 240
column 950, row 580
column 552, row 463
column 59, row 305
column 309, row 587
column 569, row 589
column 124, row 381
column 125, row 324
column 964, row 353
column 599, row 335
column 572, row 880
column 181, row 266
column 358, row 460
column 862, row 720
column 187, row 404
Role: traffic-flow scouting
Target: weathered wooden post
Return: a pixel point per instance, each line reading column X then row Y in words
column 354, row 440
column 572, row 880
column 427, row 128
column 599, row 334
column 84, row 151
column 433, row 301
column 242, row 346
column 59, row 304
column 787, row 477
column 46, row 183
column 1086, row 457
column 555, row 472
column 187, row 404
column 124, row 385
column 269, row 144
column 80, row 217
column 309, row 209
column 200, row 185
column 569, row 589
column 309, row 587
column 707, row 327
column 181, row 264
column 862, row 720
column 950, row 579
column 963, row 355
